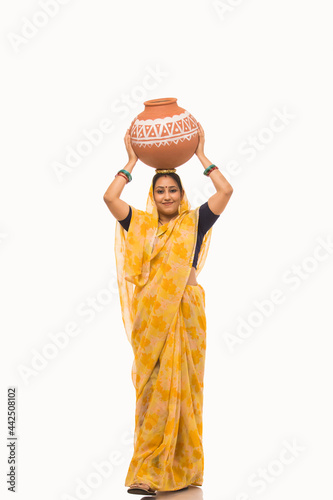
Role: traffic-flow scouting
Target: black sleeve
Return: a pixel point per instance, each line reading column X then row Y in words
column 126, row 222
column 206, row 218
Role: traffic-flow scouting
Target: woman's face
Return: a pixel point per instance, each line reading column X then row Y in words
column 167, row 191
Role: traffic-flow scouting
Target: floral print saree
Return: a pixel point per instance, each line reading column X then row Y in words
column 165, row 323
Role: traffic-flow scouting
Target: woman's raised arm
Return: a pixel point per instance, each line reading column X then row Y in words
column 119, row 208
column 218, row 201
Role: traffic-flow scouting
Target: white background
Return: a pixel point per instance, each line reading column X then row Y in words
column 235, row 66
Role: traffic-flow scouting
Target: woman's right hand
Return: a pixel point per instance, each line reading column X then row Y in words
column 131, row 154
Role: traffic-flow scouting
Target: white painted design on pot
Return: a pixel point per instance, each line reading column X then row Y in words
column 164, row 131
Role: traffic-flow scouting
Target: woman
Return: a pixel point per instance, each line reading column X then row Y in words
column 158, row 253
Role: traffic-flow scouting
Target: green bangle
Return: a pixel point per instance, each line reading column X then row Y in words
column 208, row 169
column 128, row 175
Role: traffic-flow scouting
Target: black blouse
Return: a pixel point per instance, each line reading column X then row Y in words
column 206, row 219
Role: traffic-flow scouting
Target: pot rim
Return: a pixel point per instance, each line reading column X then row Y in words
column 161, row 101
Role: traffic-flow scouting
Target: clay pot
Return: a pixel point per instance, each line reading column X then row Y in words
column 164, row 135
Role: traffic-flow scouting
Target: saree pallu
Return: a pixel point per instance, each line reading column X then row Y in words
column 166, row 325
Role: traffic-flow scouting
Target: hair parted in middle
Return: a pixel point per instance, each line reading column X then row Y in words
column 171, row 174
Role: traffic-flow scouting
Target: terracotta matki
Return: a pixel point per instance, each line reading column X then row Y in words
column 164, row 135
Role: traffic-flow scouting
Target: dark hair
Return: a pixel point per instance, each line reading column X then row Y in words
column 171, row 174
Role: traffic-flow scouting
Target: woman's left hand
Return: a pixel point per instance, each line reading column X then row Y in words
column 200, row 149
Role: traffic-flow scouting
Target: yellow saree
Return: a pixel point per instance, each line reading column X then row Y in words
column 165, row 323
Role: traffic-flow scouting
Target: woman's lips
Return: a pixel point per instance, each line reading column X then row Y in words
column 168, row 203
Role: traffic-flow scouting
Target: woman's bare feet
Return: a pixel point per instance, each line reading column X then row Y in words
column 142, row 486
